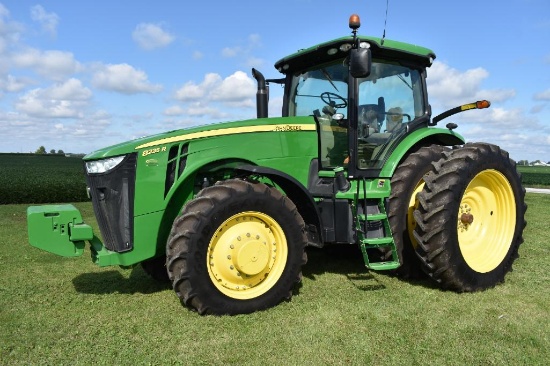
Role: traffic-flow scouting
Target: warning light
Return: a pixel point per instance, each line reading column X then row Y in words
column 483, row 104
column 354, row 22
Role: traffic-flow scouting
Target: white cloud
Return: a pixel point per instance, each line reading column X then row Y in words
column 544, row 95
column 13, row 84
column 151, row 36
column 72, row 89
column 252, row 42
column 451, row 87
column 53, row 65
column 537, row 108
column 197, row 55
column 199, row 109
column 255, row 62
column 48, row 21
column 235, row 88
column 229, row 52
column 123, row 78
column 3, row 11
column 174, row 110
column 10, row 31
column 514, row 129
column 65, row 100
column 191, row 91
column 215, row 99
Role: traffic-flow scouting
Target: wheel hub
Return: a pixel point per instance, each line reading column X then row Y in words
column 484, row 242
column 467, row 218
column 247, row 255
column 252, row 257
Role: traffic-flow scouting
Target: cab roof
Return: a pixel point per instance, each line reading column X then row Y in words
column 330, row 51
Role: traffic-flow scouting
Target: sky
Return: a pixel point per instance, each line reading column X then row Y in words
column 81, row 75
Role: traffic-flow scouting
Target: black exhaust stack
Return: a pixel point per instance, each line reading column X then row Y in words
column 262, row 95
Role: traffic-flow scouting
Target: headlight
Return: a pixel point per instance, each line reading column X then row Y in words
column 102, row 166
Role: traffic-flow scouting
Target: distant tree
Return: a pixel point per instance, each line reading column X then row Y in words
column 60, row 152
column 52, row 151
column 523, row 162
column 41, row 150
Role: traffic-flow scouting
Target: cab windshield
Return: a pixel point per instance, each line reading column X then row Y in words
column 389, row 100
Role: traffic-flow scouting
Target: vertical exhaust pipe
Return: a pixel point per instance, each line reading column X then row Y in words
column 262, row 95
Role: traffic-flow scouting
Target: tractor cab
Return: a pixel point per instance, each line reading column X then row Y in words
column 366, row 95
column 389, row 103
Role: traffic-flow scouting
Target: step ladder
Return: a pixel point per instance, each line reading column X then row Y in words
column 366, row 242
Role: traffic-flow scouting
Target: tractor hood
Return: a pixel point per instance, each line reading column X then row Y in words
column 200, row 132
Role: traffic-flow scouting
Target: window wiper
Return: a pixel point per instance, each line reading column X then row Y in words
column 329, row 79
column 405, row 81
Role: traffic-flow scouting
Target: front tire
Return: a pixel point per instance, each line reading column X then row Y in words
column 237, row 247
column 470, row 219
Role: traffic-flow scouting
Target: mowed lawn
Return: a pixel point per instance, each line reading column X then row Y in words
column 61, row 311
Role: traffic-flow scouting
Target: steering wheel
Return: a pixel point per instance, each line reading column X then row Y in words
column 331, row 98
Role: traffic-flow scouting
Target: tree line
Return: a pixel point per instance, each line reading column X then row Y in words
column 42, row 150
column 525, row 162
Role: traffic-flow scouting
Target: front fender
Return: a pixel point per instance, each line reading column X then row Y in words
column 297, row 193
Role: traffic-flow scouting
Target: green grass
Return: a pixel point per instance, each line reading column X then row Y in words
column 61, row 311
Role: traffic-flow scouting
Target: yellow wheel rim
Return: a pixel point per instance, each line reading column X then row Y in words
column 247, row 255
column 486, row 221
column 413, row 205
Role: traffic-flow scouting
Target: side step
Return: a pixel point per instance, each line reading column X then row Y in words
column 386, row 241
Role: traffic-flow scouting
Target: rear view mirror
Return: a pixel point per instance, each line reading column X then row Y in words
column 360, row 61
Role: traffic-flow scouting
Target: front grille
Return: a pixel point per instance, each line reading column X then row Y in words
column 113, row 200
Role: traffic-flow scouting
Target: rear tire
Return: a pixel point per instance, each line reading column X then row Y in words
column 237, row 247
column 470, row 219
column 406, row 182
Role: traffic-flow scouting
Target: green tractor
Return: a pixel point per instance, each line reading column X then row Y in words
column 226, row 211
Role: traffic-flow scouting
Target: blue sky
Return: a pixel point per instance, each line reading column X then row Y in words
column 81, row 75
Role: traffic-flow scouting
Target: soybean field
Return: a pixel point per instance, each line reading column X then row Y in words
column 535, row 176
column 51, row 178
column 41, row 178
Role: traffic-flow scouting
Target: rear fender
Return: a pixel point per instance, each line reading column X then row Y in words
column 421, row 137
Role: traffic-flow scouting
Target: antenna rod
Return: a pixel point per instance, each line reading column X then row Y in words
column 385, row 21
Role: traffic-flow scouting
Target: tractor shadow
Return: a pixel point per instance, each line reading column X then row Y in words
column 347, row 260
column 113, row 281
